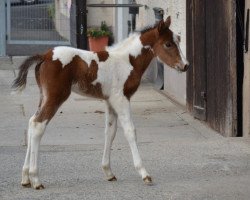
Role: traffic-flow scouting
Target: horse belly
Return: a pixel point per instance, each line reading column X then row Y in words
column 88, row 90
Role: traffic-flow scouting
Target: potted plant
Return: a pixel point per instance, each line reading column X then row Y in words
column 99, row 37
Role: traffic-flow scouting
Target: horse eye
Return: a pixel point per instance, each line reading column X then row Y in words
column 168, row 44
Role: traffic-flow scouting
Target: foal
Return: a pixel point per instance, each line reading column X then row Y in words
column 112, row 75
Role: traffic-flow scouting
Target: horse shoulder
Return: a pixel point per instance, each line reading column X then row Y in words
column 132, row 83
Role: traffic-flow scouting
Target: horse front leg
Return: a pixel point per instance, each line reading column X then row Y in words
column 122, row 108
column 110, row 131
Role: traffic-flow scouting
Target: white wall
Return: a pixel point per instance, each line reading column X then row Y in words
column 174, row 82
column 97, row 15
column 62, row 21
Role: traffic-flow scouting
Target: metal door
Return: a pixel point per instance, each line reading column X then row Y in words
column 44, row 23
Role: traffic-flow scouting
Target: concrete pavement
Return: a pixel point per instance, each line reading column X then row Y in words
column 186, row 159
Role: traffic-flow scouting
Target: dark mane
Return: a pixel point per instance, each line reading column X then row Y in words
column 147, row 28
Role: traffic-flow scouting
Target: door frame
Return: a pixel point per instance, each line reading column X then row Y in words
column 3, row 28
column 121, row 21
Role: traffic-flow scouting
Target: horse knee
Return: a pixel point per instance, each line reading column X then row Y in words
column 37, row 128
column 31, row 120
column 130, row 134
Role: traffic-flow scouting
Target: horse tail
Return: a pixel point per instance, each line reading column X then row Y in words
column 20, row 82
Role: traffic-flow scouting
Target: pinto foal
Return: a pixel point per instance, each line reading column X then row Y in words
column 112, row 75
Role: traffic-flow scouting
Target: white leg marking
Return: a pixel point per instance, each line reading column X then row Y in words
column 25, row 170
column 122, row 108
column 110, row 131
column 37, row 133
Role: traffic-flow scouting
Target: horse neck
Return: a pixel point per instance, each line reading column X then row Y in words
column 142, row 61
column 138, row 47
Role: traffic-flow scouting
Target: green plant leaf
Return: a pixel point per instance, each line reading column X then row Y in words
column 102, row 31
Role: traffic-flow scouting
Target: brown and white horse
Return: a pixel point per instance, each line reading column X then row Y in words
column 112, row 75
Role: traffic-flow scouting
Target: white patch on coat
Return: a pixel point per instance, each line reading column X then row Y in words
column 176, row 41
column 37, row 131
column 130, row 46
column 113, row 73
column 66, row 54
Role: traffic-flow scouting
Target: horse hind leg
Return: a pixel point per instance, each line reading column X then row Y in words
column 25, row 171
column 37, row 126
column 37, row 131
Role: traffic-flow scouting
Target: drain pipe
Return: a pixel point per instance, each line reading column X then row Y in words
column 81, row 24
column 133, row 11
column 159, row 82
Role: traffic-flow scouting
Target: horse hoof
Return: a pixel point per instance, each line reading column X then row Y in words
column 39, row 187
column 148, row 180
column 27, row 185
column 112, row 179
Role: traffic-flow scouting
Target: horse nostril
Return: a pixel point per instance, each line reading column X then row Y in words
column 186, row 67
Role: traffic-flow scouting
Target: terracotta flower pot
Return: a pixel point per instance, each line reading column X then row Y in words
column 98, row 44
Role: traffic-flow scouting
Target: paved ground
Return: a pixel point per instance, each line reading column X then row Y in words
column 186, row 159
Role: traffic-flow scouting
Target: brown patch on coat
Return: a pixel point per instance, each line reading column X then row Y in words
column 102, row 55
column 85, row 75
column 55, row 83
column 149, row 38
column 169, row 55
column 157, row 38
column 140, row 64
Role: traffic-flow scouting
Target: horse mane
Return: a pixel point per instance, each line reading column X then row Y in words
column 148, row 28
column 122, row 45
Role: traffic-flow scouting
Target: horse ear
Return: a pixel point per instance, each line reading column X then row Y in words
column 161, row 26
column 168, row 22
